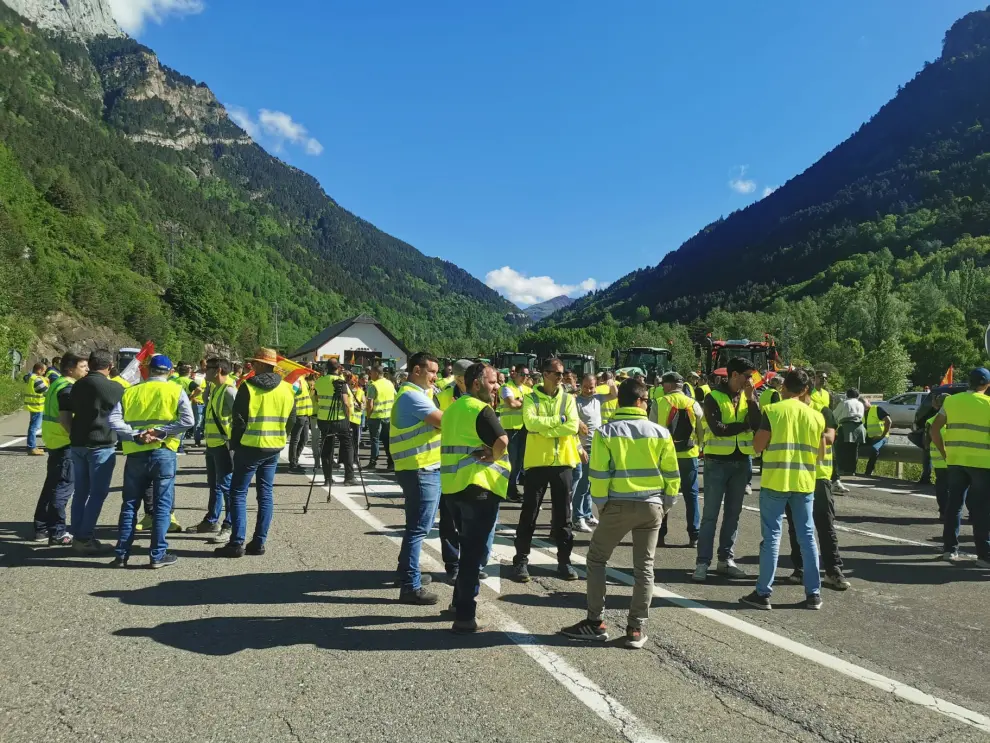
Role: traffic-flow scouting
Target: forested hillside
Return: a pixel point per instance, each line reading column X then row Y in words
column 129, row 197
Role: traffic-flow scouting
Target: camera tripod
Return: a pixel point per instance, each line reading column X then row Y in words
column 336, row 408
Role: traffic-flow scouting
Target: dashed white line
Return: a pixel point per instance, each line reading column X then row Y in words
column 12, row 442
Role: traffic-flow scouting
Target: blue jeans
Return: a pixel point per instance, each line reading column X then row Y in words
column 157, row 468
column 49, row 514
column 968, row 486
column 474, row 518
column 421, row 489
column 219, row 469
column 378, row 430
column 199, row 424
column 517, row 450
column 725, row 480
column 772, row 505
column 93, row 471
column 873, row 447
column 581, row 492
column 247, row 461
column 689, row 492
column 34, row 428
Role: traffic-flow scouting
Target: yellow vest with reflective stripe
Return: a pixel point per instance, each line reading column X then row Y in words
column 938, row 461
column 52, row 432
column 558, row 448
column 416, row 447
column 325, row 394
column 213, row 434
column 726, row 445
column 357, row 406
column 874, row 426
column 304, row 402
column 966, row 432
column 268, row 414
column 150, row 405
column 121, row 381
column 384, row 399
column 510, row 418
column 633, row 458
column 680, row 402
column 445, row 397
column 706, row 390
column 608, row 408
column 766, row 396
column 34, row 402
column 820, row 397
column 459, row 468
column 823, row 467
column 790, row 460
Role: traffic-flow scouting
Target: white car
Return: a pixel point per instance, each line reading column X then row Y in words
column 902, row 408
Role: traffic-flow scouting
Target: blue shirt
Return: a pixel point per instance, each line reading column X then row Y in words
column 413, row 406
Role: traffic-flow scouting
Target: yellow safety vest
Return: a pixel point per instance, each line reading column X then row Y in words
column 820, row 397
column 325, row 393
column 510, row 418
column 549, row 442
column 268, row 414
column 608, row 408
column 217, row 435
column 445, row 397
column 726, row 445
column 874, row 426
column 384, row 399
column 681, row 402
column 304, row 401
column 633, row 458
column 358, row 406
column 766, row 396
column 790, row 460
column 706, row 390
column 459, row 439
column 415, row 447
column 150, row 404
column 966, row 432
column 121, row 381
column 938, row 461
column 34, row 402
column 823, row 467
column 52, row 432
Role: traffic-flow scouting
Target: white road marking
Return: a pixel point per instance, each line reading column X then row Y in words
column 895, row 491
column 864, row 533
column 12, row 442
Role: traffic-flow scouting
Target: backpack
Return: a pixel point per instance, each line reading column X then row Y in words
column 681, row 429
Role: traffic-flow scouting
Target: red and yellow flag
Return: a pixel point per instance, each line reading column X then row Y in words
column 947, row 379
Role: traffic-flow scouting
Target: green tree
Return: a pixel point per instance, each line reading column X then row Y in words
column 885, row 369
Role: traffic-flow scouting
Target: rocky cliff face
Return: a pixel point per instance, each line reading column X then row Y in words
column 82, row 19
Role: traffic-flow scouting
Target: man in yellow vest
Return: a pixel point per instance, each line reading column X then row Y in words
column 607, row 387
column 217, row 422
column 334, row 407
column 450, row 545
column 299, row 436
column 680, row 414
column 150, row 419
column 56, row 425
column 770, row 393
column 732, row 414
column 791, row 438
column 415, row 444
column 35, row 387
column 474, row 479
column 195, row 395
column 937, row 460
column 510, row 414
column 380, row 397
column 961, row 433
column 357, row 412
column 634, row 478
column 551, row 419
column 261, row 414
column 877, row 423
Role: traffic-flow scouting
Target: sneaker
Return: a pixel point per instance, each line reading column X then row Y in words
column 729, row 569
column 145, row 523
column 951, row 556
column 587, row 630
column 814, row 601
column 748, row 489
column 797, row 577
column 89, row 546
column 755, row 599
column 835, row 579
column 635, row 637
column 692, row 542
column 255, row 547
column 118, row 562
column 419, row 597
column 204, row 527
column 390, row 468
column 231, row 549
column 167, row 561
column 700, row 574
column 582, row 526
column 296, row 469
column 41, row 535
column 174, row 527
column 222, row 538
column 350, row 481
column 482, row 575
column 592, row 521
column 567, row 572
column 63, row 541
column 520, row 573
column 840, row 487
column 425, row 579
column 36, row 452
column 468, row 626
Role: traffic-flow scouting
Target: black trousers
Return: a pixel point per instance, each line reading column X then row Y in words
column 355, row 438
column 450, row 539
column 298, row 438
column 336, row 433
column 537, row 480
column 823, row 513
column 55, row 493
column 846, row 456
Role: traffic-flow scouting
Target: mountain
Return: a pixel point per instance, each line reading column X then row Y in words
column 130, row 198
column 544, row 309
column 913, row 178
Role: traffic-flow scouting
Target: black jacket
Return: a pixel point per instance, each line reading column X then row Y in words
column 92, row 398
column 713, row 417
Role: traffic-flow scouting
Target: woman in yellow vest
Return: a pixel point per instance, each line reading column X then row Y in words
column 379, row 396
column 35, row 387
column 357, row 414
column 299, row 436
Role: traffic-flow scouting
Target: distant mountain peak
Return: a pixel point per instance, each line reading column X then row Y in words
column 82, row 19
column 544, row 309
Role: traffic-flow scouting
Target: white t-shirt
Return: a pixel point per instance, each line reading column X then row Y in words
column 850, row 409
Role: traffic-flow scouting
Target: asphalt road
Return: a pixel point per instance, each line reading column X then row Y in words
column 308, row 642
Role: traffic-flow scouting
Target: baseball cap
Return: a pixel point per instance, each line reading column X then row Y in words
column 163, row 362
column 461, row 366
column 979, row 376
column 671, row 377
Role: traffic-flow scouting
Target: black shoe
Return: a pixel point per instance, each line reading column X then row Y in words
column 425, row 579
column 797, row 577
column 755, row 599
column 419, row 597
column 118, row 562
column 296, row 469
column 482, row 575
column 167, row 561
column 693, row 542
column 231, row 549
column 567, row 572
column 515, row 498
column 814, row 601
column 452, row 577
column 586, row 630
column 520, row 573
column 390, row 468
column 350, row 481
column 254, row 547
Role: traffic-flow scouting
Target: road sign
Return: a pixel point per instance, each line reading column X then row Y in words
column 15, row 362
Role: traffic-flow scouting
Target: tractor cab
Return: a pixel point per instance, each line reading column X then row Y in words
column 652, row 363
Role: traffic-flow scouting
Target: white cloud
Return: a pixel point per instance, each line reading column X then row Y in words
column 767, row 190
column 132, row 15
column 740, row 183
column 526, row 290
column 277, row 127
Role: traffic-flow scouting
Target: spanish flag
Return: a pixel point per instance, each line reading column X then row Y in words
column 947, row 379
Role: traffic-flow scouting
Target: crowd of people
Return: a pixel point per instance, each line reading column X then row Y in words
column 463, row 441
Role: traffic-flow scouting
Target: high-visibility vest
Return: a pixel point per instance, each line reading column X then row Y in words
column 444, row 382
column 357, row 408
column 415, row 447
column 821, row 397
column 459, row 439
column 304, row 402
column 51, row 374
column 52, row 432
column 268, row 414
column 823, row 467
column 510, row 418
column 608, row 408
column 384, row 399
column 217, row 435
column 726, row 445
column 685, row 405
column 34, row 402
column 558, row 446
column 325, row 393
column 766, row 396
column 150, row 404
column 874, row 426
column 120, row 380
column 445, row 397
column 790, row 460
column 966, row 432
column 633, row 458
column 688, row 389
column 938, row 461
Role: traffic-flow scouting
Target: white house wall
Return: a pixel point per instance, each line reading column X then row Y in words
column 362, row 336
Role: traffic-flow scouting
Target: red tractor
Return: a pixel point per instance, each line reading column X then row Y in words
column 763, row 354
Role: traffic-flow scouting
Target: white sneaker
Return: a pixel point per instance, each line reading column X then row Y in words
column 729, row 569
column 582, row 526
column 592, row 520
column 841, row 487
column 700, row 573
column 748, row 489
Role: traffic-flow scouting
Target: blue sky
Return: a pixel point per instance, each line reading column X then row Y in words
column 569, row 140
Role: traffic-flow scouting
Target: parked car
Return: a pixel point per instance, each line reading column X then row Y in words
column 902, row 408
column 925, row 410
